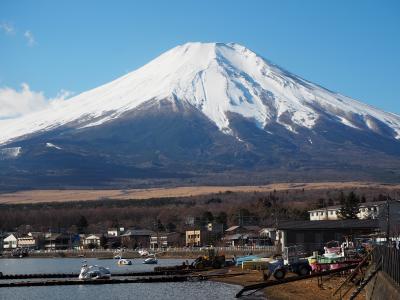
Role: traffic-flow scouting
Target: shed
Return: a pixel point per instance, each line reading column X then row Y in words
column 313, row 235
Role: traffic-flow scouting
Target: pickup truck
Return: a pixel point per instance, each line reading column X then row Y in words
column 279, row 270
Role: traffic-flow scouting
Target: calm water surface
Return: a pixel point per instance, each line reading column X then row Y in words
column 180, row 290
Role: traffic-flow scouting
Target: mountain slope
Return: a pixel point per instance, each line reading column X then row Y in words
column 198, row 112
column 215, row 79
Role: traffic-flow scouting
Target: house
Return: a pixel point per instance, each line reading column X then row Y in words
column 368, row 210
column 114, row 237
column 136, row 238
column 313, row 235
column 195, row 237
column 92, row 241
column 240, row 235
column 11, row 241
column 165, row 240
column 115, row 231
column 56, row 241
column 328, row 213
column 209, row 234
column 33, row 240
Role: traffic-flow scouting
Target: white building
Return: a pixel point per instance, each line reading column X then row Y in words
column 115, row 231
column 10, row 242
column 195, row 237
column 93, row 239
column 366, row 211
column 28, row 241
column 268, row 233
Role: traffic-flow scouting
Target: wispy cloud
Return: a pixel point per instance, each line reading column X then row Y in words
column 15, row 103
column 30, row 38
column 7, row 28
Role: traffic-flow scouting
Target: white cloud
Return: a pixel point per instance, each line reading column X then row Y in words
column 7, row 28
column 30, row 38
column 15, row 103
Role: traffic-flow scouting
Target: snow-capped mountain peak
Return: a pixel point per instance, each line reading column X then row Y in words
column 216, row 79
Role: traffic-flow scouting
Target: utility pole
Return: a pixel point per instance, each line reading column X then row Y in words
column 240, row 218
column 387, row 221
column 275, row 210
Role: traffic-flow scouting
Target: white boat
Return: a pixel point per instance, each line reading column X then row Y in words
column 143, row 252
column 151, row 260
column 124, row 262
column 94, row 272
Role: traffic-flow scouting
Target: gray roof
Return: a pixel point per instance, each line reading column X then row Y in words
column 233, row 236
column 247, row 227
column 238, row 236
column 330, row 224
column 138, row 232
column 232, row 228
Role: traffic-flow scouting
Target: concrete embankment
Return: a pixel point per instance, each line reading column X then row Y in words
column 382, row 287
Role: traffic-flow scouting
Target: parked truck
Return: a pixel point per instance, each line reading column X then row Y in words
column 289, row 262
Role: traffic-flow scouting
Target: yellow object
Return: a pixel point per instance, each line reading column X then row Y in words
column 312, row 260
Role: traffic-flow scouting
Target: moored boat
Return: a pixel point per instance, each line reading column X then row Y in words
column 152, row 260
column 124, row 262
column 94, row 272
column 242, row 259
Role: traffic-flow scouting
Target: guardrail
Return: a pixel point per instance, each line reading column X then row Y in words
column 390, row 261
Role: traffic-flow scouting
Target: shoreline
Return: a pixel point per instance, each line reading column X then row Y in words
column 175, row 254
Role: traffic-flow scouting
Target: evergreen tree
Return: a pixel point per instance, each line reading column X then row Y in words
column 159, row 226
column 222, row 218
column 171, row 227
column 350, row 206
column 207, row 217
column 82, row 224
column 103, row 242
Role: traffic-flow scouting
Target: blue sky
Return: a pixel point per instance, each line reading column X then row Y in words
column 351, row 47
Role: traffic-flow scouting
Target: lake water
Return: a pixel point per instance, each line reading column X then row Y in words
column 179, row 290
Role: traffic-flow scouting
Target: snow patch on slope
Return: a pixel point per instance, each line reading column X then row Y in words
column 51, row 145
column 10, row 153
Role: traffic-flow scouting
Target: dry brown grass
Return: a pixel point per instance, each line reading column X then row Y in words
column 40, row 196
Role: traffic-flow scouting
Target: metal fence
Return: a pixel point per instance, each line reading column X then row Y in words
column 257, row 249
column 269, row 249
column 390, row 257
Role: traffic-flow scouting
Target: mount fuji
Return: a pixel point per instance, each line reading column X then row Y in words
column 208, row 113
